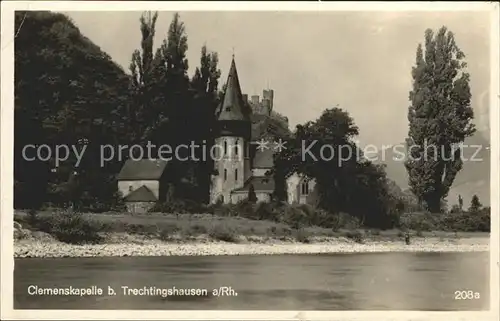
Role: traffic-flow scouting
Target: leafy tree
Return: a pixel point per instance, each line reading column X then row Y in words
column 204, row 85
column 173, row 52
column 279, row 174
column 475, row 204
column 145, row 108
column 439, row 117
column 177, row 128
column 324, row 150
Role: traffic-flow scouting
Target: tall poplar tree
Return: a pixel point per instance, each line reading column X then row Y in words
column 205, row 83
column 143, row 109
column 177, row 129
column 440, row 118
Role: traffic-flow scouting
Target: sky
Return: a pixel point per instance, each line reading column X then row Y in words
column 358, row 61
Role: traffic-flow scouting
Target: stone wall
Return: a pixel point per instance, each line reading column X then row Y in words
column 294, row 191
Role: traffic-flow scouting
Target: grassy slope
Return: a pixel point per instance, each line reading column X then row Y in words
column 191, row 227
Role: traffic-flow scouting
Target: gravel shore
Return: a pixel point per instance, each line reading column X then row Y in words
column 37, row 248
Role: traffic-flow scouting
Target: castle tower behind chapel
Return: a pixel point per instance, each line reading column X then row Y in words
column 233, row 134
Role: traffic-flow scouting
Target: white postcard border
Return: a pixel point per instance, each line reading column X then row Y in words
column 6, row 159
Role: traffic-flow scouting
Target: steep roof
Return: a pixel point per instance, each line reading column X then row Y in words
column 142, row 194
column 233, row 107
column 264, row 158
column 260, row 184
column 143, row 169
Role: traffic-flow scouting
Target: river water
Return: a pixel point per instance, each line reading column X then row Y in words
column 388, row 281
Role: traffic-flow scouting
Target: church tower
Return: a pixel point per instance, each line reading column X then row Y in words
column 232, row 139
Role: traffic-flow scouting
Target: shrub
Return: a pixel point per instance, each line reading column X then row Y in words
column 317, row 216
column 167, row 230
column 419, row 221
column 302, row 236
column 287, row 231
column 356, row 236
column 75, row 228
column 198, row 229
column 223, row 233
column 373, row 232
column 179, row 206
column 293, row 216
column 32, row 217
column 266, row 211
column 468, row 221
column 450, row 222
column 223, row 210
column 244, row 208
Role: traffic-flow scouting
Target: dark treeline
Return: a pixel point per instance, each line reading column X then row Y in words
column 69, row 92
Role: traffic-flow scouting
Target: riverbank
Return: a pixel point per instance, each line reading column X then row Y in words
column 157, row 234
column 45, row 248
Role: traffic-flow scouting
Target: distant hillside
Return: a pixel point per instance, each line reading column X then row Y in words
column 474, row 178
column 66, row 89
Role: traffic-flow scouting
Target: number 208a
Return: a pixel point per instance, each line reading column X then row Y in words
column 467, row 295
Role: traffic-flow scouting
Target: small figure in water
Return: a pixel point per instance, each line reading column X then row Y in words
column 407, row 238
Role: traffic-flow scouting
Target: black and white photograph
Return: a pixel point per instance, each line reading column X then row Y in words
column 187, row 158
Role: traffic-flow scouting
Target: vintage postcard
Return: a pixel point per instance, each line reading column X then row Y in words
column 239, row 160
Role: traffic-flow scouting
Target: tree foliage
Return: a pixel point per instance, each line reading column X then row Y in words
column 325, row 150
column 439, row 117
column 475, row 204
column 60, row 99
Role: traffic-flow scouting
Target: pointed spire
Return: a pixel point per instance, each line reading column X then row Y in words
column 232, row 106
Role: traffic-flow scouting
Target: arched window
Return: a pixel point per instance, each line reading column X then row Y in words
column 236, row 175
column 225, row 148
column 236, row 147
column 305, row 188
column 225, row 174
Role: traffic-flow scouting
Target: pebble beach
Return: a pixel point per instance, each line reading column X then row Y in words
column 51, row 249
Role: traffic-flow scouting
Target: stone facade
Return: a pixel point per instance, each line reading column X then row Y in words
column 301, row 190
column 142, row 183
column 234, row 162
column 232, row 167
column 139, row 207
column 235, row 172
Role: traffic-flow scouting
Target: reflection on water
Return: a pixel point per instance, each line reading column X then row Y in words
column 389, row 281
